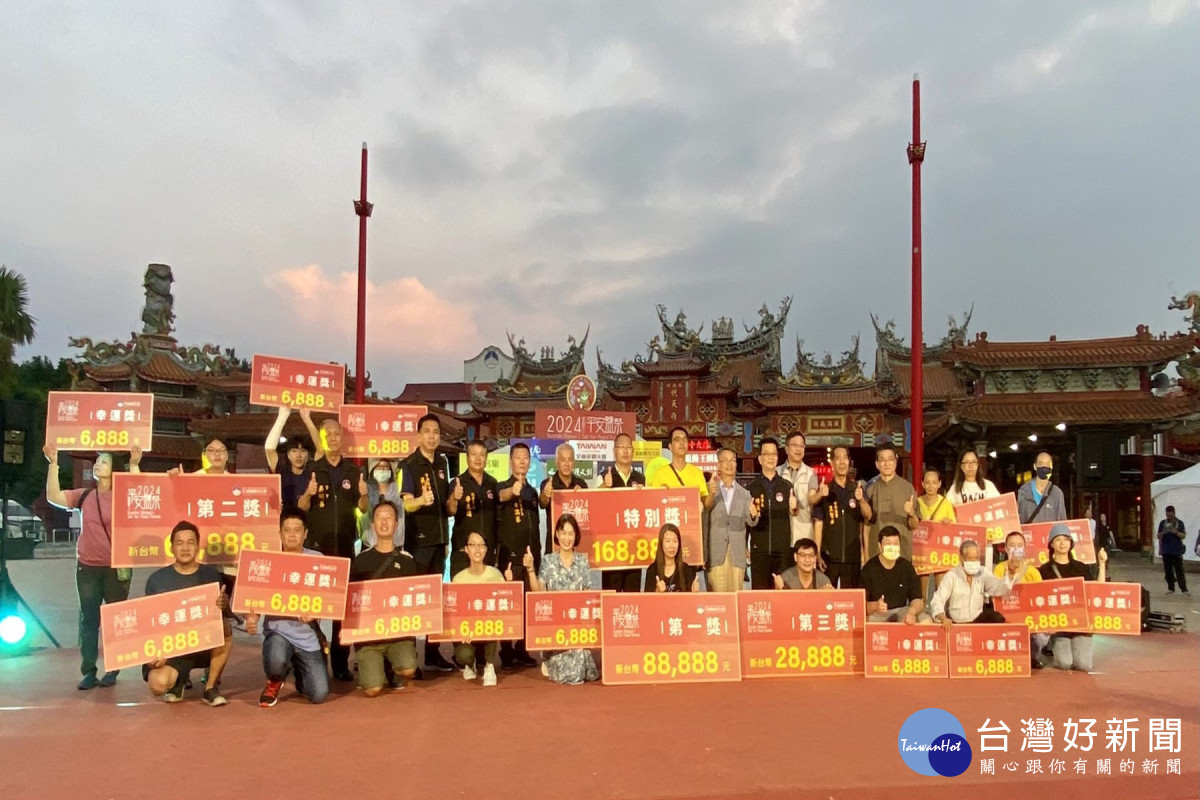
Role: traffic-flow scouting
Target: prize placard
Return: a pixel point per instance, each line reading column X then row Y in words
column 99, row 420
column 233, row 512
column 896, row 650
column 379, row 430
column 989, row 651
column 619, row 527
column 292, row 383
column 801, row 633
column 1113, row 608
column 1046, row 606
column 164, row 625
column 292, row 585
column 669, row 637
column 935, row 544
column 392, row 608
column 1037, row 540
column 562, row 620
column 482, row 612
column 998, row 515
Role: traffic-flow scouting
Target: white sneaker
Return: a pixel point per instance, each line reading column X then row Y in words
column 469, row 673
column 545, row 669
column 489, row 675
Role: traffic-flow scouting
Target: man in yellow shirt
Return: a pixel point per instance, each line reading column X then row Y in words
column 680, row 473
column 1019, row 569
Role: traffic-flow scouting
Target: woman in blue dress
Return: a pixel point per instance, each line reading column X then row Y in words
column 564, row 571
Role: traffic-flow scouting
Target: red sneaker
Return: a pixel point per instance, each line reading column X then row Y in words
column 270, row 694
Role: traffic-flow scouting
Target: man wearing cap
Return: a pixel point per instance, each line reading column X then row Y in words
column 1039, row 500
column 1071, row 650
column 294, row 474
column 1171, row 546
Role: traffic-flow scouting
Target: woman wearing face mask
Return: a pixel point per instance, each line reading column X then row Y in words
column 669, row 573
column 382, row 485
column 1071, row 650
column 1019, row 568
column 970, row 484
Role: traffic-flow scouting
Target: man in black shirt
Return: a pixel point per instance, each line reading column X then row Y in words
column 772, row 500
column 837, row 521
column 891, row 583
column 381, row 562
column 621, row 475
column 426, row 491
column 564, row 477
column 335, row 491
column 167, row 677
column 516, row 534
column 474, row 496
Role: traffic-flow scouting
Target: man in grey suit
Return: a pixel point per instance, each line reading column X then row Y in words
column 731, row 514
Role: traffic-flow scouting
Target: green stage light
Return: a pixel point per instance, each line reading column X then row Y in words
column 13, row 630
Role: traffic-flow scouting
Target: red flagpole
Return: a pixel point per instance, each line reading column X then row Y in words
column 916, row 154
column 363, row 209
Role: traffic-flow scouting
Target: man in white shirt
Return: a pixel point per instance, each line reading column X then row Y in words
column 804, row 485
column 960, row 594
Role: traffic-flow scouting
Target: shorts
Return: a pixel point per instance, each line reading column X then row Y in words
column 402, row 653
column 183, row 664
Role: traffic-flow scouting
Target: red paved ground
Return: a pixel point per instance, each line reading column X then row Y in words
column 827, row 738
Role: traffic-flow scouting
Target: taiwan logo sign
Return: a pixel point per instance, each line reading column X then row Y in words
column 933, row 742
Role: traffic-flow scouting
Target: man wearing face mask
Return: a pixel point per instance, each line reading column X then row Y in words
column 1039, row 500
column 960, row 595
column 891, row 583
column 1021, row 569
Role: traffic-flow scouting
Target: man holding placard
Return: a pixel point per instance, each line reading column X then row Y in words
column 335, row 491
column 167, row 677
column 292, row 644
column 564, row 477
column 619, row 476
column 294, row 474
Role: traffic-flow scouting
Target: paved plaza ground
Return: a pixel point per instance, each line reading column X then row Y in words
column 768, row 739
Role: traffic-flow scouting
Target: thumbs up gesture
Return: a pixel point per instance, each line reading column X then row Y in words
column 508, row 576
column 824, row 489
column 312, row 485
column 858, row 492
column 778, row 580
column 222, row 600
column 362, row 484
column 908, row 506
column 659, row 585
column 458, row 489
column 793, row 504
column 881, row 605
column 608, row 478
column 713, row 482
column 528, row 560
column 427, row 497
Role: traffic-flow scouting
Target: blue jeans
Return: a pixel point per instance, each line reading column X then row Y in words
column 312, row 675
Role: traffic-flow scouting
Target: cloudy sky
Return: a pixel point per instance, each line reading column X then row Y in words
column 539, row 166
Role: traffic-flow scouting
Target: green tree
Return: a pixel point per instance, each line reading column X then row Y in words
column 35, row 379
column 16, row 324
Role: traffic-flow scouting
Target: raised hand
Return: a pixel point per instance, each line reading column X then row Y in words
column 527, row 560
column 823, row 489
column 778, row 580
column 51, row 453
column 858, row 492
column 659, row 585
column 173, row 471
column 427, row 497
column 362, row 485
column 608, row 478
column 251, row 624
column 458, row 489
column 135, row 455
column 312, row 485
column 508, row 576
column 908, row 506
column 222, row 600
column 881, row 605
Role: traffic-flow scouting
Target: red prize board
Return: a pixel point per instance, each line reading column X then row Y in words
column 1113, row 608
column 997, row 514
column 293, row 383
column 562, row 620
column 391, row 609
column 564, row 423
column 801, row 633
column 233, row 512
column 989, row 651
column 486, row 612
column 163, row 625
column 379, row 431
column 669, row 637
column 292, row 585
column 896, row 650
column 935, row 544
column 619, row 527
column 99, row 420
column 1046, row 606
column 1037, row 540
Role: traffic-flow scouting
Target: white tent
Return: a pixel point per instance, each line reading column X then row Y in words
column 1181, row 490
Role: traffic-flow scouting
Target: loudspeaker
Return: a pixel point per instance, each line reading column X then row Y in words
column 16, row 447
column 1098, row 459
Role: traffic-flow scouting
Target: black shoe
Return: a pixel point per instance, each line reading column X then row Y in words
column 89, row 682
column 525, row 660
column 1048, row 651
column 343, row 675
column 439, row 664
column 506, row 663
column 1036, row 663
column 109, row 679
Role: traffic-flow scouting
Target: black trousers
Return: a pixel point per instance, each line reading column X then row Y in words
column 96, row 585
column 765, row 565
column 621, row 580
column 848, row 573
column 431, row 560
column 1173, row 567
column 512, row 648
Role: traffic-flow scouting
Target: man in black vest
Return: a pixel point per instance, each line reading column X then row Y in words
column 621, row 475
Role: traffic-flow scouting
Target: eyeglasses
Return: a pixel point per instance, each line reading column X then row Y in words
column 215, row 451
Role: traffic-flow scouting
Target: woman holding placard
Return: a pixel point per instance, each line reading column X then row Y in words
column 564, row 571
column 669, row 573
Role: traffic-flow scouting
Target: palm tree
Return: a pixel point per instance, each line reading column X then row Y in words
column 16, row 325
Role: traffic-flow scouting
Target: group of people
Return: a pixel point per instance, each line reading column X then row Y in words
column 792, row 530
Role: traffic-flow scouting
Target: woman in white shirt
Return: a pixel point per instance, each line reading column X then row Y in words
column 969, row 481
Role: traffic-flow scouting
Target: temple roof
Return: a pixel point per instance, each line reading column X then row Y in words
column 1051, row 408
column 1143, row 349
